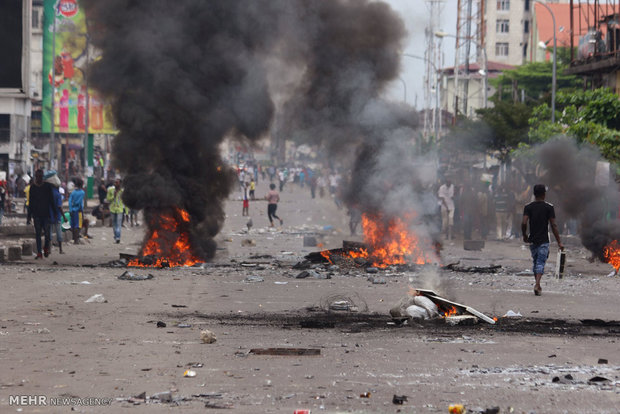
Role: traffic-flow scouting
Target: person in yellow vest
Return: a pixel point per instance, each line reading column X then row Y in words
column 117, row 208
column 27, row 204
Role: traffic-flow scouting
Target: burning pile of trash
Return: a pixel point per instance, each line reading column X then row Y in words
column 422, row 304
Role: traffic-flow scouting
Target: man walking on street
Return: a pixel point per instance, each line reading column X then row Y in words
column 41, row 202
column 117, row 208
column 539, row 214
column 446, row 201
column 272, row 204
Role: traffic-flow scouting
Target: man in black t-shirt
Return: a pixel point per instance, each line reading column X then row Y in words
column 41, row 204
column 539, row 214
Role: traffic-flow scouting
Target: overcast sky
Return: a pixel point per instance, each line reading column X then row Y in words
column 415, row 14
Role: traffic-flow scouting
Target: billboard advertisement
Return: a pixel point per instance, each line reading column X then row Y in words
column 66, row 47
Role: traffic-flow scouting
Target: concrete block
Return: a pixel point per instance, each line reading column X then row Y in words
column 309, row 241
column 473, row 244
column 27, row 249
column 15, row 253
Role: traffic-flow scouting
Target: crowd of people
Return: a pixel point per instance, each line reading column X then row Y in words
column 316, row 181
column 481, row 210
column 58, row 209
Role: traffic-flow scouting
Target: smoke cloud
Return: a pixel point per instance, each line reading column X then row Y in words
column 570, row 174
column 183, row 76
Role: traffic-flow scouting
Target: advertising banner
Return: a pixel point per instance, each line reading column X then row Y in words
column 73, row 54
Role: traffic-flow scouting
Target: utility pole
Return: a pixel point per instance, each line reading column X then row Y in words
column 432, row 57
column 469, row 32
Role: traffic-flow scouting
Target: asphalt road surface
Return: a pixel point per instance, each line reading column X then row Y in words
column 61, row 354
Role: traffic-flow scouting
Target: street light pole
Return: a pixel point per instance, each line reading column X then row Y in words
column 554, row 70
column 436, row 124
column 404, row 88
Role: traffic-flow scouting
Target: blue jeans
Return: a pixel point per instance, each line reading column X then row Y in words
column 540, row 253
column 117, row 220
column 55, row 227
column 41, row 224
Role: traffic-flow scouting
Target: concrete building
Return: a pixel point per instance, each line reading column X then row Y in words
column 508, row 30
column 475, row 77
column 15, row 86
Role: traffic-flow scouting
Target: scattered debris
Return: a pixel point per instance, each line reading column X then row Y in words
column 253, row 279
column 342, row 305
column 161, row 324
column 602, row 361
column 365, row 395
column 399, row 399
column 350, row 303
column 248, row 243
column 377, row 280
column 310, row 241
column 98, row 298
column 567, row 379
column 372, row 270
column 286, row 351
column 127, row 275
column 464, row 320
column 183, row 325
column 207, row 336
column 165, row 396
column 189, row 373
column 598, row 379
column 512, row 314
column 219, row 406
column 456, row 409
column 444, row 307
column 472, row 269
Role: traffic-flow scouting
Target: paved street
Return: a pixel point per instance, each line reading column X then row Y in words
column 53, row 344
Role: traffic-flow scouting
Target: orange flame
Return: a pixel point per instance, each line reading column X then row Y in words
column 612, row 254
column 451, row 311
column 169, row 242
column 390, row 241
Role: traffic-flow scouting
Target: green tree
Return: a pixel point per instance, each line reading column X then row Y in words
column 535, row 79
column 507, row 124
column 589, row 116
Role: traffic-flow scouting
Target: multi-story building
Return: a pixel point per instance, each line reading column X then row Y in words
column 508, row 30
column 15, row 87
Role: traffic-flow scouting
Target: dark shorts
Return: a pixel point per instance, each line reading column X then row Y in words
column 540, row 253
column 75, row 219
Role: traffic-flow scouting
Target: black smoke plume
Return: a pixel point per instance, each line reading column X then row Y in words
column 182, row 76
column 570, row 174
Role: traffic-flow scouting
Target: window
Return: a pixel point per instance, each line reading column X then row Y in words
column 526, row 26
column 501, row 49
column 525, row 50
column 503, row 4
column 5, row 128
column 37, row 14
column 501, row 26
column 527, row 5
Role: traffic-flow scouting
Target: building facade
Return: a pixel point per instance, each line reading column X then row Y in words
column 15, row 87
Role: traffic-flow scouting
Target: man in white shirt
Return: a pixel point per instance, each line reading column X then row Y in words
column 446, row 201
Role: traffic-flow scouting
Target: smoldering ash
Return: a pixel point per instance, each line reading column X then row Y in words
column 182, row 76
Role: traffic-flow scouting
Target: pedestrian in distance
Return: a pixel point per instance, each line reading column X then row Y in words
column 56, row 215
column 252, row 189
column 117, row 208
column 446, row 202
column 539, row 214
column 76, row 209
column 41, row 201
column 246, row 202
column 273, row 197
